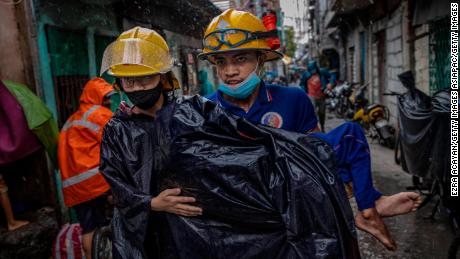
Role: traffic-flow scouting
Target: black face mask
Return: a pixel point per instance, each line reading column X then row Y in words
column 145, row 99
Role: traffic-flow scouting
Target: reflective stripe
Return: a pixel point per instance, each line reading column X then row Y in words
column 84, row 120
column 88, row 112
column 83, row 123
column 80, row 177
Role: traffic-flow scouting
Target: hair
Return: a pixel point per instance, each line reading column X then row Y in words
column 117, row 85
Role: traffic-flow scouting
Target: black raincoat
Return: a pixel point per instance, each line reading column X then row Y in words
column 265, row 192
column 127, row 165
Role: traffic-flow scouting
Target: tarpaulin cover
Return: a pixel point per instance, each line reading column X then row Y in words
column 415, row 122
column 16, row 140
column 440, row 164
column 265, row 192
column 39, row 118
column 127, row 165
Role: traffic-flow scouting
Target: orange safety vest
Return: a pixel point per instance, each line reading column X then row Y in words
column 79, row 146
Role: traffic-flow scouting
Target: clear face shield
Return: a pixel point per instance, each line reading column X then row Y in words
column 149, row 58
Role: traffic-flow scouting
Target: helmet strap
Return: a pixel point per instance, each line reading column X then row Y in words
column 260, row 62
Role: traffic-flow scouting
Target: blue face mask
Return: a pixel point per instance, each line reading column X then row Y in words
column 243, row 89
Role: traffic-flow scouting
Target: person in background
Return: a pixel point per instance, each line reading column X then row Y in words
column 239, row 60
column 26, row 125
column 79, row 154
column 314, row 83
column 205, row 86
column 12, row 222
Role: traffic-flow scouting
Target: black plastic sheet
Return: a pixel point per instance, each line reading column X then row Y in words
column 425, row 139
column 127, row 165
column 440, row 152
column 415, row 123
column 265, row 193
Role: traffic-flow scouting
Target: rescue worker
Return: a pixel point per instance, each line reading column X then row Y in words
column 79, row 154
column 140, row 60
column 314, row 82
column 235, row 43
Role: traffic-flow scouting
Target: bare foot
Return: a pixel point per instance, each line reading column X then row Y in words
column 17, row 224
column 369, row 220
column 398, row 204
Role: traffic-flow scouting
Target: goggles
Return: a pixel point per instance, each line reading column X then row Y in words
column 233, row 38
column 128, row 82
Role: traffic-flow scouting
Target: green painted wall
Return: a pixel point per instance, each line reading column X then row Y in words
column 68, row 52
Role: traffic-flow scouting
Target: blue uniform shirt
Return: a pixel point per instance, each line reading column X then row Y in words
column 277, row 106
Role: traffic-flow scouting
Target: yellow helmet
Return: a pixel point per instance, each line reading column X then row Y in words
column 237, row 30
column 137, row 52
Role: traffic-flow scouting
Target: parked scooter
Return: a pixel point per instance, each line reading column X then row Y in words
column 331, row 100
column 338, row 99
column 373, row 117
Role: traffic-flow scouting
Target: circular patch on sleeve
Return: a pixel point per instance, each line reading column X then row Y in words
column 272, row 119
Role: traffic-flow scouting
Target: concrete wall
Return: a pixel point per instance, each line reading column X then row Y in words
column 343, row 62
column 374, row 72
column 395, row 61
column 397, row 55
column 12, row 61
column 350, row 56
column 393, row 26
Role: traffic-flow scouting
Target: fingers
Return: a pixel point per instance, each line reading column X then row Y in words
column 171, row 192
column 189, row 208
column 185, row 213
column 181, row 199
column 173, row 203
column 171, row 196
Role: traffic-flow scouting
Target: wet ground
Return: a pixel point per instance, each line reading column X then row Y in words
column 416, row 236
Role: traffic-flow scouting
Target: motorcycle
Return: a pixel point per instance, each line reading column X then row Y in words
column 338, row 99
column 331, row 100
column 373, row 117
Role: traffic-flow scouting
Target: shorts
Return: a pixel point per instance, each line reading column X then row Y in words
column 91, row 214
